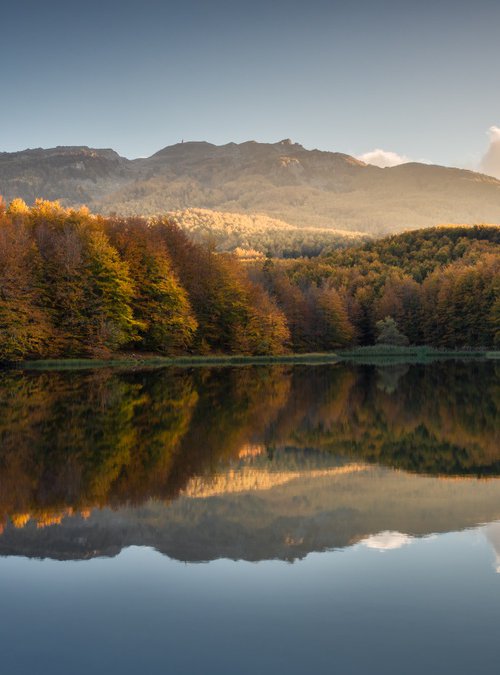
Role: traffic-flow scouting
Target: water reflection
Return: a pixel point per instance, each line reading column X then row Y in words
column 387, row 541
column 254, row 463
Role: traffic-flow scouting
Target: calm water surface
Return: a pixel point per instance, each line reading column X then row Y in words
column 327, row 519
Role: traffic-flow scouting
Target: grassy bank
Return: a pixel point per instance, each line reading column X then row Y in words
column 380, row 354
column 182, row 361
column 376, row 355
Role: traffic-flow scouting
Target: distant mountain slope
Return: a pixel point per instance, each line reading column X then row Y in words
column 74, row 175
column 258, row 234
column 307, row 188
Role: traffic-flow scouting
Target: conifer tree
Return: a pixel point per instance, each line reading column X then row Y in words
column 388, row 333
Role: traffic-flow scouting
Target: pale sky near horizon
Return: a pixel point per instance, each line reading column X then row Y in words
column 417, row 79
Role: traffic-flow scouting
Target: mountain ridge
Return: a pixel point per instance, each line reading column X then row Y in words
column 283, row 180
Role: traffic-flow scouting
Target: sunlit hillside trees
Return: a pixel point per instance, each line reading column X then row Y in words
column 234, row 314
column 255, row 235
column 160, row 303
column 25, row 328
column 75, row 284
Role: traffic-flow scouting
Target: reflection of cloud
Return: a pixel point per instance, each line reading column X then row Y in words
column 383, row 158
column 490, row 163
column 492, row 532
column 387, row 541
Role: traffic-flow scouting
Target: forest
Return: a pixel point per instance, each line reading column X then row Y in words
column 74, row 284
column 255, row 235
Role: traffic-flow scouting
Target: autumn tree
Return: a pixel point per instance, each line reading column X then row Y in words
column 25, row 329
column 400, row 298
column 160, row 303
column 232, row 315
column 332, row 324
column 109, row 320
column 87, row 285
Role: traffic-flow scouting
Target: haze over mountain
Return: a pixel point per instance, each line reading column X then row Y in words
column 306, row 188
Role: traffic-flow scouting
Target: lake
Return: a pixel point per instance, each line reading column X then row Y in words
column 259, row 519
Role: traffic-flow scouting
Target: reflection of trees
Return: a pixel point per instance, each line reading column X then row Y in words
column 439, row 419
column 234, row 407
column 81, row 440
column 72, row 441
column 162, row 416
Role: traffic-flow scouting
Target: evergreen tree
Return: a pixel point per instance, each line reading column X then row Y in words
column 388, row 333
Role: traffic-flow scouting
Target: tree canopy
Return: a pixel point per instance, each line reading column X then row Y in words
column 77, row 284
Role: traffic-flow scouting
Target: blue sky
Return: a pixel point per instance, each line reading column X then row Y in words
column 418, row 79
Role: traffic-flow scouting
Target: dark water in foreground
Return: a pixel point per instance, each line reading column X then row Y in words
column 328, row 519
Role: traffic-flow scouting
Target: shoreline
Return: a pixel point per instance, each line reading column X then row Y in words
column 371, row 355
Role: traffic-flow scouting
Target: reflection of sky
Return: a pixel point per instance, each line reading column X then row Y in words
column 430, row 607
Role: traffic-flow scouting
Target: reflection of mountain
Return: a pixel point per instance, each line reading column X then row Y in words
column 286, row 521
column 250, row 480
column 74, row 442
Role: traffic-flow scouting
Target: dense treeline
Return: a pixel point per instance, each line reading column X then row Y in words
column 76, row 284
column 419, row 252
column 440, row 285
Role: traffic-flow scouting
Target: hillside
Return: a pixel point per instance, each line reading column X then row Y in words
column 306, row 188
column 420, row 252
column 253, row 236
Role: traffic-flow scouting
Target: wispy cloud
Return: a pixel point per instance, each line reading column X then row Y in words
column 490, row 163
column 383, row 158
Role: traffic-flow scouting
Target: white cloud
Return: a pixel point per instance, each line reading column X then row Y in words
column 387, row 541
column 383, row 158
column 490, row 163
